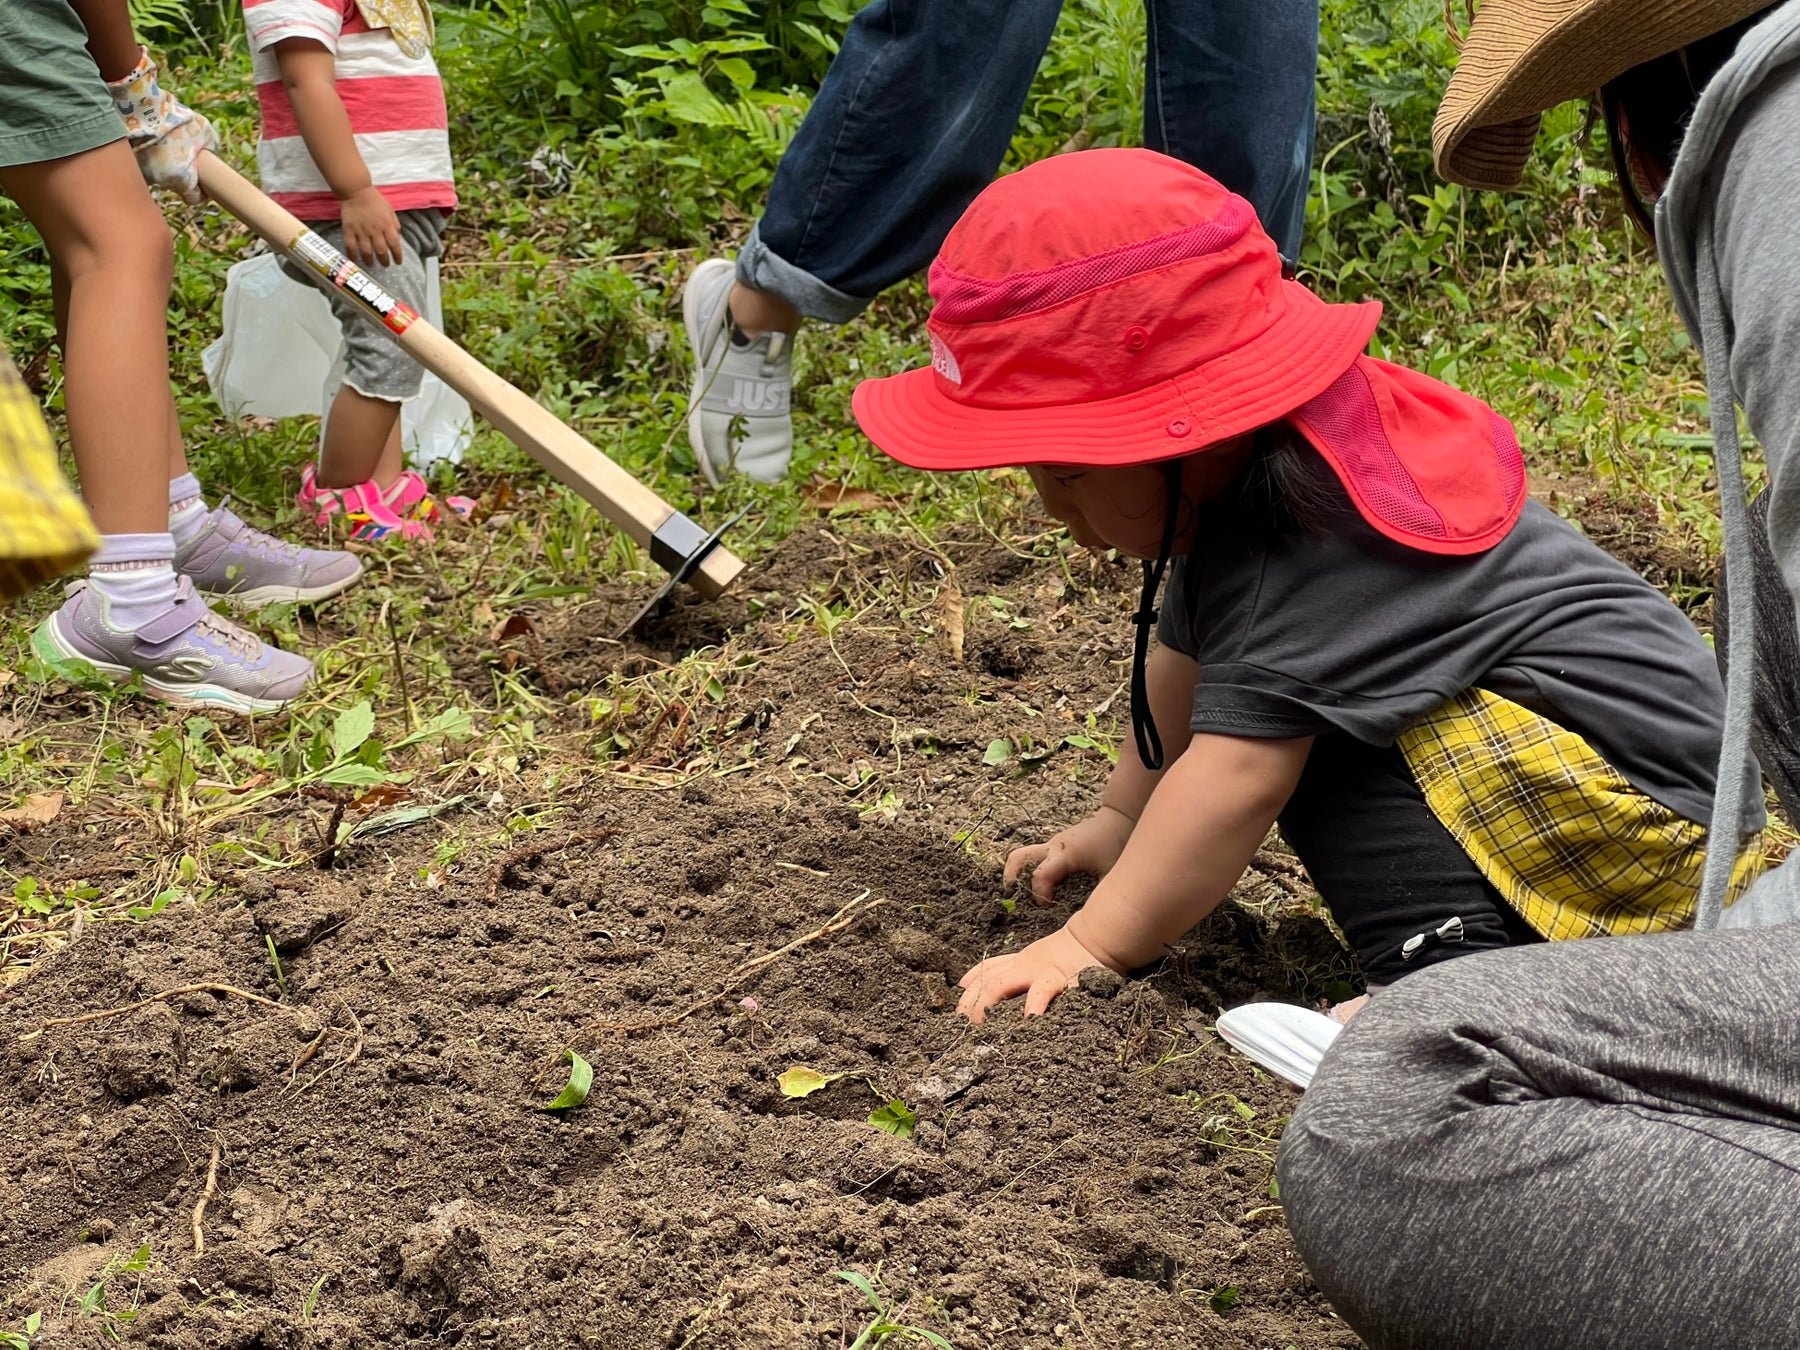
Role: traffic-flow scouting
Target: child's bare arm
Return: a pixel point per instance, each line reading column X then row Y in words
column 1202, row 825
column 111, row 41
column 309, row 74
column 1093, row 845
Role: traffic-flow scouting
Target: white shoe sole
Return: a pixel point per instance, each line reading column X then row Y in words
column 1287, row 1041
column 692, row 319
column 193, row 697
column 260, row 597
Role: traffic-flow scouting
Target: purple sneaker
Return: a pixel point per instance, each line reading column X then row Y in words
column 188, row 655
column 230, row 561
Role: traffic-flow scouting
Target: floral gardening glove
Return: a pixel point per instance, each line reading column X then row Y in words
column 166, row 136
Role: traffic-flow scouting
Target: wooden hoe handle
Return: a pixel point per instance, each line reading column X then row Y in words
column 668, row 534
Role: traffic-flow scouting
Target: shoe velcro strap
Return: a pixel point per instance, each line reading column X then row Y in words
column 183, row 613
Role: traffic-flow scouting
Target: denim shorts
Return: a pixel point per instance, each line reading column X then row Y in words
column 53, row 101
column 375, row 365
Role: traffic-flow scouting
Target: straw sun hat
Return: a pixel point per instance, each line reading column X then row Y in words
column 1523, row 57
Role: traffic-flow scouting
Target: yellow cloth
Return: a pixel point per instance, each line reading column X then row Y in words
column 409, row 21
column 1572, row 845
column 44, row 530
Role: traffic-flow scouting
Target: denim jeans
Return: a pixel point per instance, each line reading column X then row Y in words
column 919, row 107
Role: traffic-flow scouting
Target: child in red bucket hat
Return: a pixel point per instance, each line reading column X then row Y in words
column 1473, row 726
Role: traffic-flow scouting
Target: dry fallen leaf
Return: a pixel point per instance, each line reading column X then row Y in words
column 40, row 809
column 382, row 794
column 512, row 626
column 838, row 497
column 950, row 613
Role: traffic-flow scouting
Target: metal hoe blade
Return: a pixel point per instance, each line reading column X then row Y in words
column 666, row 549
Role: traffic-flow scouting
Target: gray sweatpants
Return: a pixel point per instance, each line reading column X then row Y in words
column 1581, row 1144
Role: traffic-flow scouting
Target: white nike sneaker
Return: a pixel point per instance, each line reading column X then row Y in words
column 739, row 418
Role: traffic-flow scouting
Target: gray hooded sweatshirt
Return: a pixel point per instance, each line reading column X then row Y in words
column 1728, row 231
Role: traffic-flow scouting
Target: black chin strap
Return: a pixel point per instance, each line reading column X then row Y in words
column 1143, row 724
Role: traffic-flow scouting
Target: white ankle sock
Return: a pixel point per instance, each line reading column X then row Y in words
column 187, row 509
column 136, row 575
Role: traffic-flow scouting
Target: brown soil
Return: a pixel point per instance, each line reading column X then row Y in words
column 387, row 1176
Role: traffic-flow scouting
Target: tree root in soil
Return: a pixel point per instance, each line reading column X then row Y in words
column 212, row 1186
column 526, row 853
column 837, row 923
column 166, row 994
column 312, row 1048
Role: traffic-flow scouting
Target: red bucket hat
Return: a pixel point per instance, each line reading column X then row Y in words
column 1117, row 307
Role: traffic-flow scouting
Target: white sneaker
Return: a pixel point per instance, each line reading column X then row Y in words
column 739, row 417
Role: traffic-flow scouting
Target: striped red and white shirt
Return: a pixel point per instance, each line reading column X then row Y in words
column 395, row 102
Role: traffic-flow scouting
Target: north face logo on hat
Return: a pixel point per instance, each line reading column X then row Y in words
column 943, row 360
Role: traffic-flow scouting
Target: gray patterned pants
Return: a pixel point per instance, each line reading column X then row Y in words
column 1583, row 1144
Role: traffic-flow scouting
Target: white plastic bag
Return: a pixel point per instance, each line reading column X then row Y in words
column 281, row 355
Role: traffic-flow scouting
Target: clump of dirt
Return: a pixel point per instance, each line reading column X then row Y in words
column 836, row 784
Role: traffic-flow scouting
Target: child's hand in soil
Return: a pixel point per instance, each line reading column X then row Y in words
column 1092, row 846
column 371, row 229
column 1040, row 972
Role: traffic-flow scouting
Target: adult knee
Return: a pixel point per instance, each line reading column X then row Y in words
column 1334, row 1166
column 1362, row 1136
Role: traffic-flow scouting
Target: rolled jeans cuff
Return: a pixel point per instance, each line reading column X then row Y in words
column 761, row 268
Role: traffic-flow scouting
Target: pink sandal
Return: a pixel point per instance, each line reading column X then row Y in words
column 407, row 509
column 409, row 496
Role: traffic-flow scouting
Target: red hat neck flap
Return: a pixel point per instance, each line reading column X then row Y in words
column 1427, row 465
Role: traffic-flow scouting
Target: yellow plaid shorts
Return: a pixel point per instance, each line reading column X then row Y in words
column 44, row 530
column 1574, row 847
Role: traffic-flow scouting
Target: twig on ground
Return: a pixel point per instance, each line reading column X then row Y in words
column 212, row 1186
column 166, row 994
column 531, row 852
column 406, row 698
column 95, row 873
column 328, row 854
column 307, row 1051
column 845, row 916
column 357, row 1049
column 349, row 1059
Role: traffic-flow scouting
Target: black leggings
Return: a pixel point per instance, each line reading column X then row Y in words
column 1386, row 867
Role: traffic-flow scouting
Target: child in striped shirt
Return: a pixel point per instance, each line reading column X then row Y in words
column 355, row 142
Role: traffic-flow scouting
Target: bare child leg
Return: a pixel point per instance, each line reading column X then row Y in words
column 112, row 262
column 110, row 273
column 757, row 312
column 362, row 442
column 112, row 259
column 360, row 477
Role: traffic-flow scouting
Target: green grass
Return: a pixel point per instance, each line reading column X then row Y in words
column 1538, row 302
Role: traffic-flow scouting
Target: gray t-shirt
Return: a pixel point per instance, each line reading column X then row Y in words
column 1306, row 632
